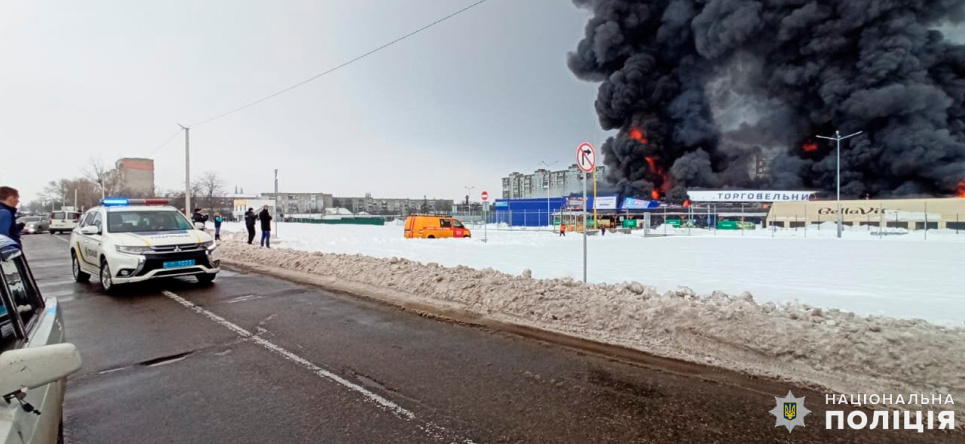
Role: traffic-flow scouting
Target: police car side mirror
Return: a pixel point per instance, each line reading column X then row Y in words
column 199, row 226
column 90, row 230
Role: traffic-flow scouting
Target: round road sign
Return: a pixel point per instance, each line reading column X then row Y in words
column 485, row 196
column 586, row 157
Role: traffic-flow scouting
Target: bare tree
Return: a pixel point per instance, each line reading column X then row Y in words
column 211, row 190
column 106, row 179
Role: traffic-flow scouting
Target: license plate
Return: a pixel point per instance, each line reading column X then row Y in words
column 179, row 264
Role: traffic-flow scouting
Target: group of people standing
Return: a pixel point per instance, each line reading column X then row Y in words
column 251, row 219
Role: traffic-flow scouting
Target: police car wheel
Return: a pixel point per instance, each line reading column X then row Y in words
column 206, row 278
column 105, row 276
column 79, row 274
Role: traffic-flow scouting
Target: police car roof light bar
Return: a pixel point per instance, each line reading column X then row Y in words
column 117, row 202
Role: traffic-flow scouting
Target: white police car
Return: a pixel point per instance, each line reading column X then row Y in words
column 134, row 240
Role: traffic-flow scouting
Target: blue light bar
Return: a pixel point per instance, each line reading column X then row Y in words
column 114, row 202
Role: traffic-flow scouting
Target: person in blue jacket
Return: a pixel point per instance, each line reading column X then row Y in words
column 9, row 199
column 217, row 226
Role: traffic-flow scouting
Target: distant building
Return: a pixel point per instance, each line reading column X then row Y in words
column 136, row 176
column 561, row 183
column 393, row 206
column 301, row 203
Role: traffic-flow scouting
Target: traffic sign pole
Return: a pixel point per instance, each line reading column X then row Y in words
column 485, row 199
column 584, row 228
column 586, row 161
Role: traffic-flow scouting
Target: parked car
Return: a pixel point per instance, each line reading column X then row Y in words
column 35, row 360
column 63, row 221
column 434, row 227
column 133, row 240
column 34, row 224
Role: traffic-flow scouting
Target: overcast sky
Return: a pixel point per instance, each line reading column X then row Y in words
column 464, row 103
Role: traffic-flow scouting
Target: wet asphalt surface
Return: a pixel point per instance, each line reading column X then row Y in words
column 156, row 370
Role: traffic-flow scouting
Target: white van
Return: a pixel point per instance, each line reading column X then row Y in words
column 63, row 221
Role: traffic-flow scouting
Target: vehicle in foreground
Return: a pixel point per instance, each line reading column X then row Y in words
column 125, row 241
column 34, row 359
column 34, row 224
column 434, row 227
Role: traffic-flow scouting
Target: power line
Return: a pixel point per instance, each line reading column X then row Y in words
column 169, row 139
column 317, row 76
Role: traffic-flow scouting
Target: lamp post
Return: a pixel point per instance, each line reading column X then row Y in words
column 547, row 166
column 837, row 138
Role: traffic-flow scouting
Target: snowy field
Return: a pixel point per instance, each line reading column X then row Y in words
column 899, row 275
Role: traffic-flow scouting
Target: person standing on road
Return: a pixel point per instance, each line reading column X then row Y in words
column 198, row 217
column 265, row 218
column 217, row 225
column 562, row 229
column 250, row 218
column 9, row 199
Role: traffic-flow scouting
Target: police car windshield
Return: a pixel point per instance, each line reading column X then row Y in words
column 146, row 221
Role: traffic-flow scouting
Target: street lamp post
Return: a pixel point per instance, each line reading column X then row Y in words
column 549, row 221
column 837, row 138
column 468, row 193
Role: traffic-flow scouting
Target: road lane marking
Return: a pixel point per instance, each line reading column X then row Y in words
column 55, row 283
column 428, row 427
column 291, row 356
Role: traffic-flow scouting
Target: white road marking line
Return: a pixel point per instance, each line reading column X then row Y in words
column 66, row 240
column 427, row 427
column 292, row 357
column 250, row 297
column 55, row 283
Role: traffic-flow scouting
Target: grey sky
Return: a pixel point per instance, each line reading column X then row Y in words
column 464, row 103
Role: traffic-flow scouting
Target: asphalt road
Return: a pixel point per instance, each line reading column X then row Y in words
column 257, row 359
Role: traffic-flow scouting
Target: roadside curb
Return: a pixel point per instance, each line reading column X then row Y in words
column 457, row 313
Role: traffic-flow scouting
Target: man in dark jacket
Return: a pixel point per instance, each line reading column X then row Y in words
column 250, row 218
column 9, row 199
column 265, row 218
column 198, row 217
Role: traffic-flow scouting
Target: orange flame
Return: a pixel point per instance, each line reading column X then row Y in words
column 637, row 135
column 652, row 162
column 655, row 195
column 810, row 147
column 961, row 189
column 687, row 203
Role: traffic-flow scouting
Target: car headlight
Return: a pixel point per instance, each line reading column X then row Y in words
column 132, row 250
column 210, row 245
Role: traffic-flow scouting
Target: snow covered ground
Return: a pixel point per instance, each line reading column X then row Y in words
column 901, row 275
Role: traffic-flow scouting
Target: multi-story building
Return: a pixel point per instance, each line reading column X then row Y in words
column 301, row 203
column 393, row 206
column 561, row 183
column 136, row 176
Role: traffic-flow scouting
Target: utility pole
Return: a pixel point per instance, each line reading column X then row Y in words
column 468, row 193
column 549, row 219
column 187, row 169
column 76, row 207
column 837, row 138
column 277, row 213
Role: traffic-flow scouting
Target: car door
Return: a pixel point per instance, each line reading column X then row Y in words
column 90, row 245
column 445, row 227
column 28, row 321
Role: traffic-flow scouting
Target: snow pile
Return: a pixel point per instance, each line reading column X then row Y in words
column 829, row 348
column 894, row 276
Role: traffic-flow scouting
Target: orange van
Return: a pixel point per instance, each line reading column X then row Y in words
column 434, row 227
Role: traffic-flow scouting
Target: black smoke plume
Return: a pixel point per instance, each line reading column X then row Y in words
column 701, row 89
